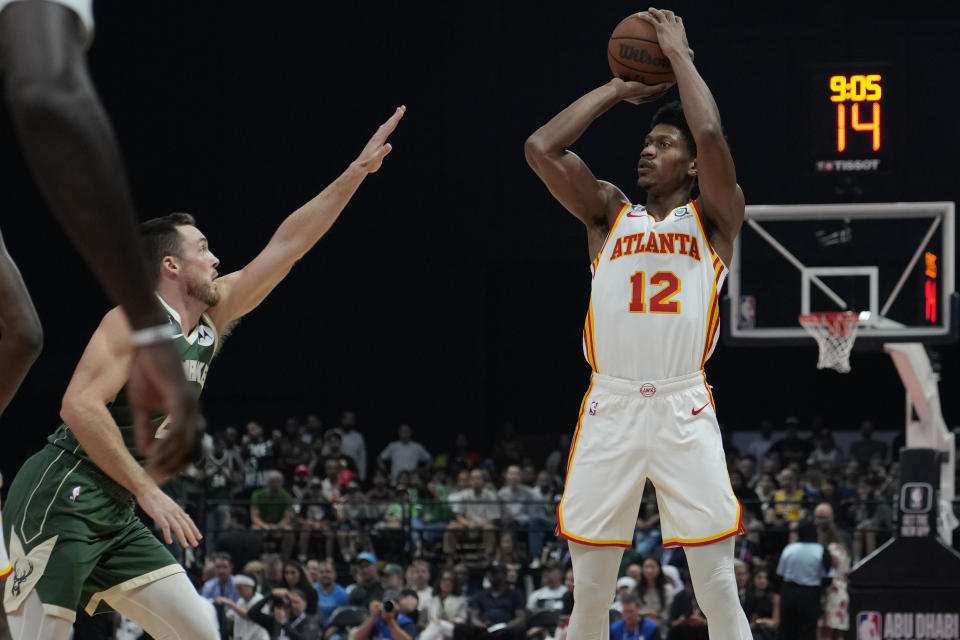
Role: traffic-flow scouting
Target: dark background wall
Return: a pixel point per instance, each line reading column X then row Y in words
column 451, row 292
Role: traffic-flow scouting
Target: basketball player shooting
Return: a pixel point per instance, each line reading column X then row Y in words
column 651, row 325
column 74, row 537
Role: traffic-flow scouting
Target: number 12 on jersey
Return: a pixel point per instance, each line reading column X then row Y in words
column 660, row 302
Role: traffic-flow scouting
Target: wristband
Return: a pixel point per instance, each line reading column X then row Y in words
column 152, row 335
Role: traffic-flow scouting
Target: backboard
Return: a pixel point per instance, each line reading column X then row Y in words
column 893, row 263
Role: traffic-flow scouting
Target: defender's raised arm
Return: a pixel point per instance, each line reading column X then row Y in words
column 241, row 291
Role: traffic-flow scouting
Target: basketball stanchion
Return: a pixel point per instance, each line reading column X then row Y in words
column 835, row 332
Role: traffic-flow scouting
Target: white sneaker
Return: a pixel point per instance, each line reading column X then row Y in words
column 535, row 563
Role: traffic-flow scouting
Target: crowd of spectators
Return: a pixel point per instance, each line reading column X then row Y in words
column 308, row 538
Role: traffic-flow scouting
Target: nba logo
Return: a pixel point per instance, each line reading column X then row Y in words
column 593, row 407
column 748, row 312
column 916, row 498
column 869, row 626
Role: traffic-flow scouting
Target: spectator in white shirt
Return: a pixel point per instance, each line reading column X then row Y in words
column 445, row 609
column 549, row 597
column 404, row 454
column 243, row 627
column 519, row 513
column 418, row 579
column 475, row 509
column 353, row 443
column 625, row 585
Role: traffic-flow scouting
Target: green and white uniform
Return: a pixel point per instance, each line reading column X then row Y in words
column 71, row 529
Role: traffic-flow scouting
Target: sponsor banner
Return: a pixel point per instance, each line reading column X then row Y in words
column 907, row 625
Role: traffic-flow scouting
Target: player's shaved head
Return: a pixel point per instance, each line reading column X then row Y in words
column 161, row 238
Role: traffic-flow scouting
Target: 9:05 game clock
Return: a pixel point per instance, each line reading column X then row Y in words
column 851, row 118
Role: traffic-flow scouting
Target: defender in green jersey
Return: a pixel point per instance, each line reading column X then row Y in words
column 69, row 518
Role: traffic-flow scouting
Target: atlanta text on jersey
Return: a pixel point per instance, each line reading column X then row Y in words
column 656, row 243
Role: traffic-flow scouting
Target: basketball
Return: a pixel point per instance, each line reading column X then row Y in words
column 634, row 53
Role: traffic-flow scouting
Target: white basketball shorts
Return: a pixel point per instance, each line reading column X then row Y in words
column 664, row 430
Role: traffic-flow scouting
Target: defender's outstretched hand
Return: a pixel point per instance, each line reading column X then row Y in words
column 157, row 384
column 637, row 92
column 377, row 148
column 670, row 32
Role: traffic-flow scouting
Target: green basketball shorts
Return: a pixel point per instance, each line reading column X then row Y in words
column 74, row 537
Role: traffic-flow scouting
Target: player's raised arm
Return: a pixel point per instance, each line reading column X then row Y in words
column 720, row 197
column 241, row 291
column 100, row 375
column 593, row 201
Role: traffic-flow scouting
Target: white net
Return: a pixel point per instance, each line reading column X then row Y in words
column 834, row 332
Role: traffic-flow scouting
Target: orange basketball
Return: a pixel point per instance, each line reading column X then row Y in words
column 634, row 53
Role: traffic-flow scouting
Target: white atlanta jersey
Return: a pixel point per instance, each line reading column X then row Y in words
column 654, row 309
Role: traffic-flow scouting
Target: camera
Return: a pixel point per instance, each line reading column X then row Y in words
column 389, row 606
column 280, row 602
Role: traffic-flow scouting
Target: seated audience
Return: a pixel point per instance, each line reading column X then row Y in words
column 295, row 578
column 330, row 595
column 632, row 625
column 654, row 591
column 271, row 510
column 287, row 618
column 762, row 606
column 549, row 597
column 475, row 510
column 519, row 515
column 445, row 609
column 387, row 621
column 222, row 585
column 496, row 609
column 243, row 627
column 367, row 588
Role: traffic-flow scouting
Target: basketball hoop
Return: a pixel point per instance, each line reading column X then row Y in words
column 834, row 332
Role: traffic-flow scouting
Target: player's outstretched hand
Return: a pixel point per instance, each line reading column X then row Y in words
column 670, row 32
column 172, row 520
column 377, row 148
column 637, row 92
column 157, row 384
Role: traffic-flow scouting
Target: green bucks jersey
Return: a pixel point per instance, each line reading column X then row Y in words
column 196, row 351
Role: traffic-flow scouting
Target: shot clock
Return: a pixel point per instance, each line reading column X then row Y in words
column 851, row 118
column 856, row 90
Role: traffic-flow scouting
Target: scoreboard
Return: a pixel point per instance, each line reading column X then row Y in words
column 851, row 118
